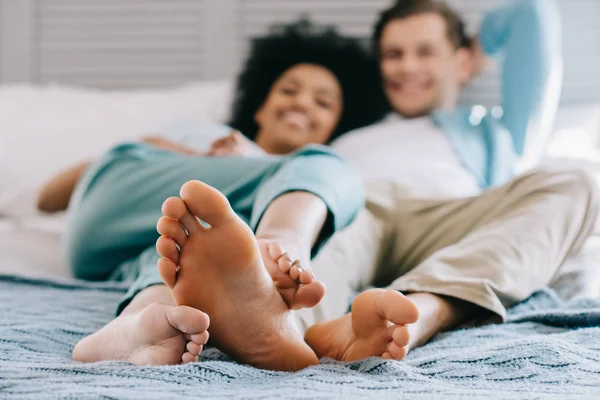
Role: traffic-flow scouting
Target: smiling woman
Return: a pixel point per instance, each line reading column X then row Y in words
column 303, row 106
column 305, row 84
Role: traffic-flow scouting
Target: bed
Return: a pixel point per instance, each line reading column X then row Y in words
column 549, row 347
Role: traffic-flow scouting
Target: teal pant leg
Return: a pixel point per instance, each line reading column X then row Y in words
column 317, row 170
column 112, row 227
column 118, row 202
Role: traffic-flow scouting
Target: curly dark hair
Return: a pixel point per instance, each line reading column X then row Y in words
column 303, row 42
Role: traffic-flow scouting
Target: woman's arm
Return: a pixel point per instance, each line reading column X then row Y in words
column 55, row 195
column 169, row 145
column 235, row 144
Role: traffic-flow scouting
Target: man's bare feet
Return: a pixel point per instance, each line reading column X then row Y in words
column 375, row 327
column 158, row 334
column 220, row 270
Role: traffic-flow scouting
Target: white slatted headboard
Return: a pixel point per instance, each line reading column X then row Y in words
column 153, row 43
column 114, row 43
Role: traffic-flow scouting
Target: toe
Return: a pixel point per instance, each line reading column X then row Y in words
column 187, row 319
column 411, row 310
column 189, row 358
column 277, row 253
column 285, row 263
column 374, row 308
column 171, row 228
column 308, row 295
column 401, row 336
column 398, row 308
column 174, row 208
column 194, row 348
column 167, row 248
column 206, row 203
column 295, row 270
column 390, row 305
column 396, row 352
column 200, row 338
column 167, row 271
column 306, row 277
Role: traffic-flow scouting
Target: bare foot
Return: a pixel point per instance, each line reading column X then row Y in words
column 296, row 283
column 375, row 327
column 159, row 334
column 220, row 270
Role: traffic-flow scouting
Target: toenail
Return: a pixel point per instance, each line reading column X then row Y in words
column 312, row 274
column 296, row 264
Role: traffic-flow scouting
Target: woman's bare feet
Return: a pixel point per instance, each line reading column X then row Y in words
column 296, row 283
column 158, row 334
column 375, row 327
column 220, row 270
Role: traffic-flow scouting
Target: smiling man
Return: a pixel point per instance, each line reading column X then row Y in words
column 426, row 58
column 456, row 218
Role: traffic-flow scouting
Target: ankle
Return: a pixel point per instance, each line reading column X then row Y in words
column 438, row 314
column 151, row 295
column 281, row 235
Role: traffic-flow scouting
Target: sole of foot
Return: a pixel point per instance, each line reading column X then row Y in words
column 376, row 327
column 219, row 269
column 159, row 334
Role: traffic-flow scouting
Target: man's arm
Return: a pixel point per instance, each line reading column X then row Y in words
column 528, row 34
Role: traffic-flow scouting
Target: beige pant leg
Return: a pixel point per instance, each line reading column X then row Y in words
column 495, row 249
column 349, row 261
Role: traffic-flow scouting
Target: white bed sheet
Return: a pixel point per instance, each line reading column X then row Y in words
column 28, row 251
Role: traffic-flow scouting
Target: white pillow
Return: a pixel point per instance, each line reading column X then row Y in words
column 44, row 129
column 576, row 132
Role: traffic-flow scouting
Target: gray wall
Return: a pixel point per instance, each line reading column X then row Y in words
column 156, row 43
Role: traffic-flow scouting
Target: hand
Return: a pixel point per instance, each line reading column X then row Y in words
column 235, row 144
column 168, row 145
column 480, row 61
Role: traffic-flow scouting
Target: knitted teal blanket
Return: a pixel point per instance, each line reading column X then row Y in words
column 547, row 348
